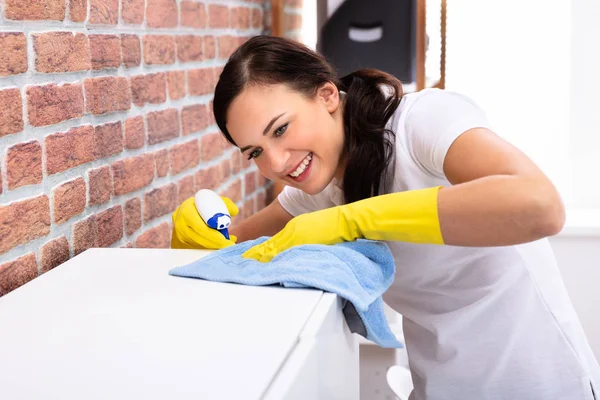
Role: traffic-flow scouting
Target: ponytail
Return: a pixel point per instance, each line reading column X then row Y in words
column 372, row 97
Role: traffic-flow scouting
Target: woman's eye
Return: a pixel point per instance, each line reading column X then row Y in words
column 255, row 153
column 281, row 130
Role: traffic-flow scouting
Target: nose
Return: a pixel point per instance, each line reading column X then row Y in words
column 278, row 159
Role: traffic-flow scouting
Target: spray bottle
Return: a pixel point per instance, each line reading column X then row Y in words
column 213, row 211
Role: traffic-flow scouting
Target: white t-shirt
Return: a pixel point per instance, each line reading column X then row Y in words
column 479, row 323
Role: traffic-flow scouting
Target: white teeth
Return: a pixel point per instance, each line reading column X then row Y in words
column 302, row 166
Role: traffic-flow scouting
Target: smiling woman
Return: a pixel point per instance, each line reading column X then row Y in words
column 301, row 106
column 292, row 140
column 465, row 214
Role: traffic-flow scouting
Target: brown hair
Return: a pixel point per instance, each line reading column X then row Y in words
column 268, row 60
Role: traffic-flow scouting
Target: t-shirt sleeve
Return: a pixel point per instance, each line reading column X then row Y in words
column 434, row 121
column 297, row 202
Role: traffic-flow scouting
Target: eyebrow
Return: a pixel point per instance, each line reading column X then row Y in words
column 267, row 129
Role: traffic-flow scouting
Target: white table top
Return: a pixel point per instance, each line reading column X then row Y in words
column 112, row 324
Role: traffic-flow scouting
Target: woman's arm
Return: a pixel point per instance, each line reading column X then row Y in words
column 266, row 222
column 499, row 196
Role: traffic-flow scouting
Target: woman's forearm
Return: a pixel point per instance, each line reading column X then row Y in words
column 499, row 210
column 266, row 222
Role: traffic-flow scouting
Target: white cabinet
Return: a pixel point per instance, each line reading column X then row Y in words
column 112, row 324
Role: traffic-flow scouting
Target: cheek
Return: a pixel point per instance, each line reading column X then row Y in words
column 264, row 168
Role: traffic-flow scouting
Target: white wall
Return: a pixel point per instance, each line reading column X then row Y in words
column 585, row 103
column 513, row 58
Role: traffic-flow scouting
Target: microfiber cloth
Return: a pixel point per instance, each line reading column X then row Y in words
column 359, row 272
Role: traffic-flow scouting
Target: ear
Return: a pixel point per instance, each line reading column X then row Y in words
column 329, row 95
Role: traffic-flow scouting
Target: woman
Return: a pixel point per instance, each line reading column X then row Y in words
column 486, row 315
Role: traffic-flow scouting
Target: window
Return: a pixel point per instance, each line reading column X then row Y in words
column 533, row 66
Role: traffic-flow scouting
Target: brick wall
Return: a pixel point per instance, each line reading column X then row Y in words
column 106, row 123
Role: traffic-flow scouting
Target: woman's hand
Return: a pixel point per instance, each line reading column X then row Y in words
column 319, row 227
column 191, row 232
column 409, row 216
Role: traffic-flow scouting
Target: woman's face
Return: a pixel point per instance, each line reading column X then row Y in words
column 293, row 140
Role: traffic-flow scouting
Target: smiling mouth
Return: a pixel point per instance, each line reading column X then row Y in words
column 302, row 167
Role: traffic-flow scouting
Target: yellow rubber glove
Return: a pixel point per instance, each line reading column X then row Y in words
column 191, row 232
column 410, row 216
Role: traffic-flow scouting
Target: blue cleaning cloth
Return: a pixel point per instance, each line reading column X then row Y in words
column 359, row 272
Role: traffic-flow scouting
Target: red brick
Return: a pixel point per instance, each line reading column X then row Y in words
column 161, row 13
column 201, row 81
column 100, row 188
column 24, row 164
column 161, row 158
column 217, row 73
column 250, row 183
column 176, row 84
column 193, row 14
column 84, row 234
column 133, row 11
column 69, row 200
column 131, row 50
column 35, row 9
column 135, row 135
column 211, row 116
column 160, row 201
column 208, row 178
column 227, row 45
column 68, row 149
column 108, row 139
column 105, row 51
column 105, row 12
column 158, row 237
column 11, row 112
column 24, row 221
column 16, row 273
column 133, row 215
column 233, row 191
column 257, row 18
column 189, row 48
column 194, row 118
column 78, row 10
column 218, row 16
column 150, row 88
column 132, row 173
column 210, row 50
column 54, row 253
column 13, row 57
column 225, row 169
column 128, row 245
column 159, row 49
column 110, row 226
column 184, row 156
column 236, row 162
column 61, row 52
column 107, row 94
column 293, row 21
column 212, row 145
column 240, row 18
column 185, row 189
column 51, row 104
column 162, row 125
